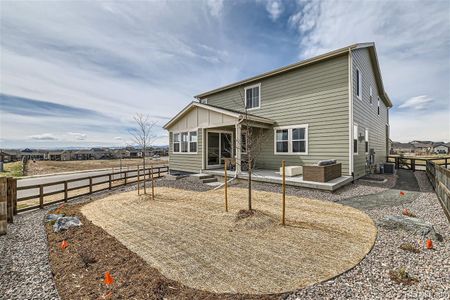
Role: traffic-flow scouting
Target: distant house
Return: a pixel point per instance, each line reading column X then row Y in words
column 32, row 154
column 422, row 147
column 82, row 155
column 59, row 155
column 402, row 148
column 9, row 155
column 332, row 106
column 440, row 148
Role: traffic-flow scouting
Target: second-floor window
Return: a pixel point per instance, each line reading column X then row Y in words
column 253, row 96
column 370, row 95
column 358, row 84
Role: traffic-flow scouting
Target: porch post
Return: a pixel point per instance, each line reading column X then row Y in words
column 238, row 147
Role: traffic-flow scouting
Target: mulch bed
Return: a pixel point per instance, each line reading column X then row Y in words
column 79, row 269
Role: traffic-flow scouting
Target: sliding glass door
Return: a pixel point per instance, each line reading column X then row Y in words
column 219, row 146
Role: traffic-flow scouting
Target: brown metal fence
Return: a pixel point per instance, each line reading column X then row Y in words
column 440, row 180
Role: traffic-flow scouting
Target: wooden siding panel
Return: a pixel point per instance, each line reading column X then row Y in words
column 316, row 95
column 365, row 114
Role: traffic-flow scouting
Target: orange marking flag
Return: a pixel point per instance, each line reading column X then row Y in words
column 108, row 278
column 64, row 245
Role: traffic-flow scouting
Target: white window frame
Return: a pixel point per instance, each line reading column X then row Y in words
column 370, row 95
column 366, row 140
column 191, row 142
column 178, row 142
column 188, row 141
column 203, row 101
column 355, row 137
column 289, row 128
column 358, row 84
column 258, row 85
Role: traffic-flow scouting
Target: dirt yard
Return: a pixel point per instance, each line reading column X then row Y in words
column 189, row 238
column 49, row 167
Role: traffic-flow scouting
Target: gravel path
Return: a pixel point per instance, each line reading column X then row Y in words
column 24, row 269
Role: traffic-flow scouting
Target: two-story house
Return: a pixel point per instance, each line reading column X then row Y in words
column 332, row 106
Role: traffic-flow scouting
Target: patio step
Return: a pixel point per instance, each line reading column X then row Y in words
column 209, row 180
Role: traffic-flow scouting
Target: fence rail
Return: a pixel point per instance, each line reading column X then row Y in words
column 413, row 163
column 111, row 180
column 440, row 180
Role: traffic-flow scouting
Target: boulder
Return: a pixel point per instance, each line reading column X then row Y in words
column 411, row 224
column 64, row 223
column 53, row 217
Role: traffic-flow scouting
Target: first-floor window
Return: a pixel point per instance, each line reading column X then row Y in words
column 367, row 140
column 176, row 142
column 193, row 141
column 185, row 142
column 355, row 139
column 283, row 140
column 291, row 140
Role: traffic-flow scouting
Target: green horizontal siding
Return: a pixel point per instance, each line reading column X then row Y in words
column 365, row 114
column 316, row 95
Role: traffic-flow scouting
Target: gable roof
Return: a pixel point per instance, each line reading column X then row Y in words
column 232, row 113
column 341, row 51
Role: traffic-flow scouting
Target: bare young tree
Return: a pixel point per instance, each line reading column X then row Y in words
column 144, row 136
column 251, row 140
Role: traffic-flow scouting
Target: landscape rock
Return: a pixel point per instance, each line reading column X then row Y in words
column 53, row 217
column 65, row 223
column 410, row 224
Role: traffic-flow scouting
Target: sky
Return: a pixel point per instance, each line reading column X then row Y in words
column 74, row 73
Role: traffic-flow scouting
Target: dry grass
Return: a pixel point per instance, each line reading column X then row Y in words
column 48, row 166
column 189, row 238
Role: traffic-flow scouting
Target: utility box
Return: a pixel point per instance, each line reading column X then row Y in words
column 389, row 168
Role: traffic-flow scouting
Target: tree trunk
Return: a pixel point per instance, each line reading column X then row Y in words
column 249, row 187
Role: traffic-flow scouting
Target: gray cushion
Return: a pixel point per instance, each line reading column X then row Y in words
column 326, row 162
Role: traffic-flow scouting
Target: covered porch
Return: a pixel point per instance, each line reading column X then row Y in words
column 271, row 176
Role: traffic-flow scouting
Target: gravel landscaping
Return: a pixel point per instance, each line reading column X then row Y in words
column 25, row 272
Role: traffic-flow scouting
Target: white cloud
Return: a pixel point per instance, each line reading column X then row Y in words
column 215, row 7
column 118, row 138
column 274, row 8
column 78, row 136
column 418, row 102
column 43, row 137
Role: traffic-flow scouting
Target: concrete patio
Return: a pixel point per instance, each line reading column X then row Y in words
column 272, row 176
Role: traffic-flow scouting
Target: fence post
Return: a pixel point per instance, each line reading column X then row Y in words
column 41, row 196
column 159, row 172
column 126, row 174
column 3, row 205
column 413, row 164
column 138, row 180
column 65, row 191
column 14, row 195
column 10, row 200
column 110, row 181
column 153, row 183
column 283, row 214
column 90, row 185
column 397, row 163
